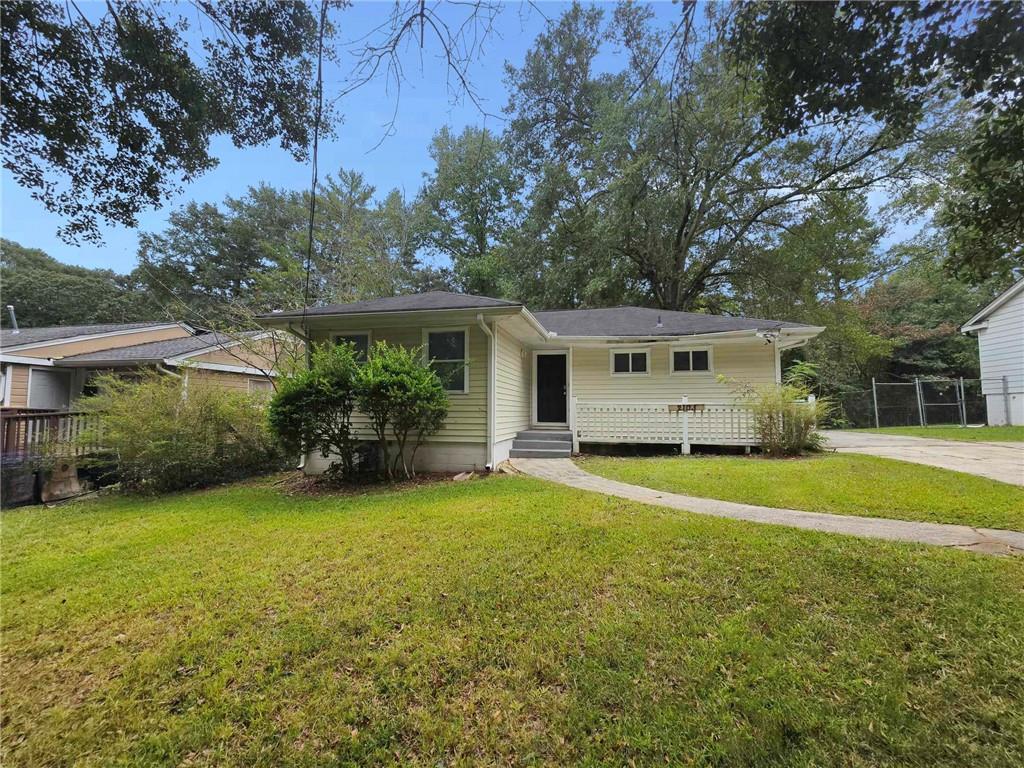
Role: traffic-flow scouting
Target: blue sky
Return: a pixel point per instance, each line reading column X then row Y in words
column 426, row 104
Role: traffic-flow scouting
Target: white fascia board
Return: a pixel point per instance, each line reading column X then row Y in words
column 88, row 336
column 5, row 358
column 177, row 362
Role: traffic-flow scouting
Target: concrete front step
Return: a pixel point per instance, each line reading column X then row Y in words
column 560, row 436
column 539, row 453
column 565, row 445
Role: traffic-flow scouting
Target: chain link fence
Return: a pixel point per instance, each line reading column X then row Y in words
column 920, row 402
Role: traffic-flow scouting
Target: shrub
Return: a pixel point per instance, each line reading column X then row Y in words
column 163, row 436
column 312, row 408
column 786, row 416
column 404, row 400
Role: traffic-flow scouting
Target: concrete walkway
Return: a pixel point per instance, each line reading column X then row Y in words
column 985, row 540
column 997, row 461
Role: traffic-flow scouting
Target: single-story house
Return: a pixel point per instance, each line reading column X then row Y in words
column 1000, row 330
column 525, row 383
column 47, row 369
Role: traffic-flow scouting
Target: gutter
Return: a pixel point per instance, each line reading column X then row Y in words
column 491, row 366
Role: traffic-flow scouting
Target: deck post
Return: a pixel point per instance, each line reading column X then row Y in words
column 572, row 424
column 685, row 447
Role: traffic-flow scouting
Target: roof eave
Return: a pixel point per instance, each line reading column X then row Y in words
column 283, row 320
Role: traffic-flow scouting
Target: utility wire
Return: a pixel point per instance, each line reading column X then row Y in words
column 312, row 185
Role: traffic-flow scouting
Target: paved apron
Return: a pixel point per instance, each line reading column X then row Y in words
column 986, row 540
column 997, row 461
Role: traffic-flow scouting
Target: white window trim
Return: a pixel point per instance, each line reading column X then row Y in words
column 368, row 334
column 464, row 330
column 5, row 383
column 630, row 350
column 690, row 348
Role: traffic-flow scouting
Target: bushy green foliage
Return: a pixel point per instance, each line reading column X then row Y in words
column 164, row 436
column 312, row 409
column 786, row 415
column 403, row 399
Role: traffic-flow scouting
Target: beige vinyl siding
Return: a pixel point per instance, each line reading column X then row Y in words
column 511, row 387
column 752, row 363
column 257, row 355
column 234, row 382
column 18, row 386
column 467, row 413
column 58, row 349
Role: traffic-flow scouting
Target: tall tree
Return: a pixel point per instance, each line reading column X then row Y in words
column 469, row 205
column 890, row 62
column 664, row 174
column 39, row 288
column 103, row 114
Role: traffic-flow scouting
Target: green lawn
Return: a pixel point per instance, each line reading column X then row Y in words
column 844, row 484
column 494, row 622
column 968, row 434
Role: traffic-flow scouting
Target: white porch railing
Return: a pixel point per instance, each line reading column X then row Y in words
column 679, row 423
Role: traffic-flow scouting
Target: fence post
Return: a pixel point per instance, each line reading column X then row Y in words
column 1006, row 401
column 921, row 400
column 963, row 404
column 874, row 399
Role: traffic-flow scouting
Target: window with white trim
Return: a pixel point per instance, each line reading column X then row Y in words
column 630, row 362
column 360, row 343
column 448, row 354
column 690, row 360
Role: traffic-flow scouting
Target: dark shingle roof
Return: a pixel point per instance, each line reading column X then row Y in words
column 8, row 338
column 416, row 302
column 642, row 321
column 151, row 351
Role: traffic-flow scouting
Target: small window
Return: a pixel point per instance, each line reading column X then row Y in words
column 359, row 341
column 261, row 387
column 626, row 362
column 691, row 361
column 446, row 351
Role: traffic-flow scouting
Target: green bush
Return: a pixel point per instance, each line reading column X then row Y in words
column 404, row 400
column 312, row 408
column 163, row 436
column 786, row 416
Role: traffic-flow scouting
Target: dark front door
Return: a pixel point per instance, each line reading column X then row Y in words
column 551, row 389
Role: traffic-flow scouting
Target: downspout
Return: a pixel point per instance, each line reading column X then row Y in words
column 491, row 354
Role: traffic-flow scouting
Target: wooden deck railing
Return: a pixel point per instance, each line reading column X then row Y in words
column 677, row 423
column 26, row 435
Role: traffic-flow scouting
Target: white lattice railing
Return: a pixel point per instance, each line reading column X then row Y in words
column 704, row 424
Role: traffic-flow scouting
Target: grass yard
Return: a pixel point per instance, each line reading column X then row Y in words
column 494, row 622
column 843, row 484
column 967, row 434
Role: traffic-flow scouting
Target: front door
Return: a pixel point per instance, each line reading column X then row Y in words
column 551, row 388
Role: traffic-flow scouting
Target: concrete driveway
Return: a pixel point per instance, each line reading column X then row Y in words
column 998, row 461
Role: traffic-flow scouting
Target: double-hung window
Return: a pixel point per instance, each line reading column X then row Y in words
column 447, row 352
column 360, row 342
column 630, row 362
column 690, row 360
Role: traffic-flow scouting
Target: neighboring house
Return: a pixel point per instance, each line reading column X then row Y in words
column 49, row 368
column 539, row 384
column 1000, row 330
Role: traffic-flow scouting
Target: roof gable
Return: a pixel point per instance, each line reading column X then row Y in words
column 993, row 306
column 63, row 333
